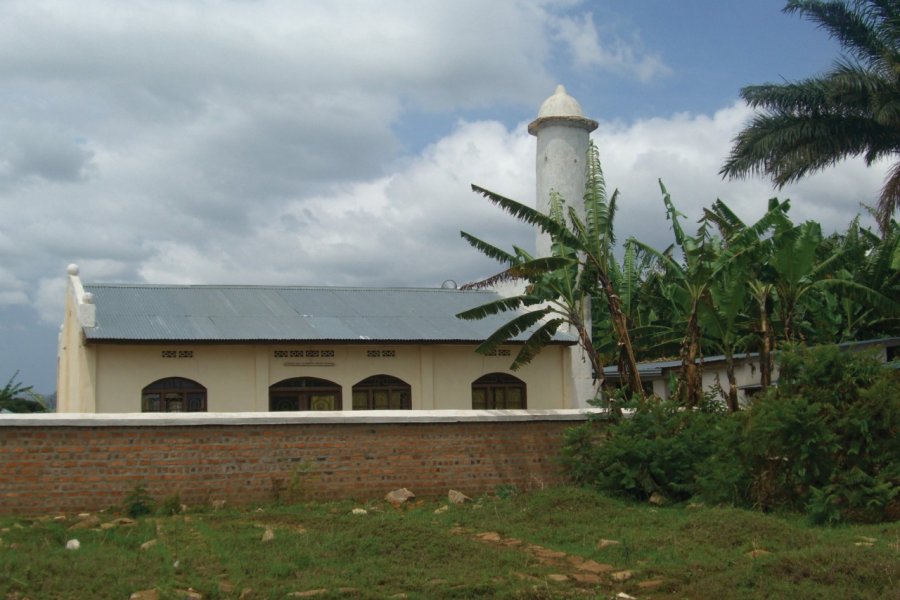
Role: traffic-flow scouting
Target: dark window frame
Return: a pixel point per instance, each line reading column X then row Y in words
column 394, row 387
column 296, row 394
column 174, row 394
column 492, row 383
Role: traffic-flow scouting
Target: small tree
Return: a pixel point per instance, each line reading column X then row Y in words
column 19, row 398
column 560, row 287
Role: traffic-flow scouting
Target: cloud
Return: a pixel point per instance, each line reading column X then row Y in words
column 401, row 229
column 223, row 141
column 579, row 35
column 686, row 152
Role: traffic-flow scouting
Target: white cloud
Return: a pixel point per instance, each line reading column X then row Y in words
column 316, row 143
column 686, row 152
column 580, row 35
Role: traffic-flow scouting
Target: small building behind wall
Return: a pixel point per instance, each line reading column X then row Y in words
column 159, row 348
column 658, row 376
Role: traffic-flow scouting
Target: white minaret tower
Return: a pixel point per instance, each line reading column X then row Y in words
column 563, row 134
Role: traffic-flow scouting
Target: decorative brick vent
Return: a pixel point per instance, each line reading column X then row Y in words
column 303, row 354
column 177, row 354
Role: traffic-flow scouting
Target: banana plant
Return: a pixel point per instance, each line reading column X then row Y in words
column 801, row 274
column 708, row 261
column 757, row 244
column 559, row 288
column 723, row 321
column 686, row 287
column 866, row 259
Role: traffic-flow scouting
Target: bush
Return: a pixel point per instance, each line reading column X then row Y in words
column 825, row 442
column 138, row 502
column 656, row 450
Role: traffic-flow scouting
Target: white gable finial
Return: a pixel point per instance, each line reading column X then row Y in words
column 72, row 269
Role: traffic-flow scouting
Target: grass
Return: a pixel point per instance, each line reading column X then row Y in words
column 537, row 545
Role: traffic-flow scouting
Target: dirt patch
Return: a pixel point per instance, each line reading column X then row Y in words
column 569, row 569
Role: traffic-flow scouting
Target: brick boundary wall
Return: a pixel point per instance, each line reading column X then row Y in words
column 59, row 463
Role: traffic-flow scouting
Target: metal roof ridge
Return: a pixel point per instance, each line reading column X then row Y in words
column 280, row 287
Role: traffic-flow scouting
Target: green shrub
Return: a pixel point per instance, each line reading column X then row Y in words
column 138, row 502
column 826, row 441
column 656, row 449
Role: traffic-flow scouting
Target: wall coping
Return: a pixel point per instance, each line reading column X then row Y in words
column 358, row 417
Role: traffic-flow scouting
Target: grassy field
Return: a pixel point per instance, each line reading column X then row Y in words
column 561, row 543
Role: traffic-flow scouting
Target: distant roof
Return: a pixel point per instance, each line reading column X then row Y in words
column 235, row 313
column 656, row 368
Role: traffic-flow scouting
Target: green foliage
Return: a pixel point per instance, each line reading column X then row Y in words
column 657, row 450
column 559, row 288
column 809, row 125
column 505, row 491
column 138, row 502
column 19, row 398
column 825, row 442
column 171, row 505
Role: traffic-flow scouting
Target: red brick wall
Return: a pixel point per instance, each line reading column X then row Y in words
column 55, row 468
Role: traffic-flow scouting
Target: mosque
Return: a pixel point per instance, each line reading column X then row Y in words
column 129, row 348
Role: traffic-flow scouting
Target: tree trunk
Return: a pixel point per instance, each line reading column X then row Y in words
column 765, row 353
column 732, row 383
column 587, row 343
column 766, row 337
column 690, row 387
column 626, row 350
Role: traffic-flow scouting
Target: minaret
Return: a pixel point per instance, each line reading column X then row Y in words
column 563, row 134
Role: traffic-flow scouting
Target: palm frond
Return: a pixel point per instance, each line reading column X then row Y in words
column 852, row 110
column 489, row 250
column 889, row 201
column 519, row 324
column 492, row 308
column 540, row 338
column 857, row 27
column 788, row 147
column 529, row 215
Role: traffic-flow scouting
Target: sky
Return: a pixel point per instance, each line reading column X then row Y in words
column 334, row 143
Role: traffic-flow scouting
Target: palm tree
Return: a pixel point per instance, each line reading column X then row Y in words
column 852, row 110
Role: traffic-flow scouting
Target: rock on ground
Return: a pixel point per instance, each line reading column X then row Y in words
column 398, row 497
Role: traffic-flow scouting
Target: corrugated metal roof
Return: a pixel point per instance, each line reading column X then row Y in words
column 263, row 313
column 656, row 368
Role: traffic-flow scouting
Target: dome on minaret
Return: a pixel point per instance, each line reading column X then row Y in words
column 561, row 109
column 560, row 104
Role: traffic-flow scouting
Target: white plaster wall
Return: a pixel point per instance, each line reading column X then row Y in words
column 561, row 166
column 237, row 377
column 76, row 363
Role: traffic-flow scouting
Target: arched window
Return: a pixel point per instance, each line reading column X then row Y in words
column 304, row 393
column 382, row 392
column 498, row 390
column 173, row 394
